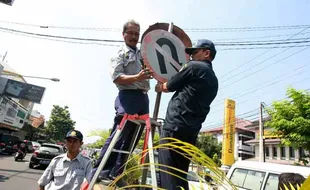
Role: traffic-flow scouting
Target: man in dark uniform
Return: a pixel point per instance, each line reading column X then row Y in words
column 195, row 87
column 132, row 80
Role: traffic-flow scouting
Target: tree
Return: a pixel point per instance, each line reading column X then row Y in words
column 209, row 145
column 155, row 141
column 290, row 119
column 104, row 134
column 59, row 124
column 133, row 160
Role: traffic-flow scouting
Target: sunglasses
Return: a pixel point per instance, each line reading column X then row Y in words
column 133, row 33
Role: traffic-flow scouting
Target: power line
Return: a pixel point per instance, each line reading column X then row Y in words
column 272, row 47
column 268, row 28
column 258, row 37
column 59, row 40
column 272, row 82
column 278, row 100
column 282, row 42
column 61, row 37
column 263, row 53
column 260, row 43
column 242, row 120
column 255, row 28
column 219, row 123
column 265, row 67
column 216, row 105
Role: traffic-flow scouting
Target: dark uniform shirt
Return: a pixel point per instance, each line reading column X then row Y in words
column 195, row 88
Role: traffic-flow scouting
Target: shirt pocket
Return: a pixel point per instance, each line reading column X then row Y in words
column 129, row 57
column 78, row 176
column 129, row 61
column 59, row 177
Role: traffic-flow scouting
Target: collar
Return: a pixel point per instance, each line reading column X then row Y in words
column 208, row 62
column 78, row 158
column 128, row 49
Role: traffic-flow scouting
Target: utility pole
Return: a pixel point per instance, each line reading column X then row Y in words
column 3, row 58
column 261, row 135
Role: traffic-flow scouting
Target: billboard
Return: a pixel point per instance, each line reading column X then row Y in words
column 21, row 90
column 11, row 113
column 228, row 146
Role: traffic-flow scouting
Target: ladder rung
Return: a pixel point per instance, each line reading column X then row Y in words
column 139, row 122
column 121, row 151
column 153, row 121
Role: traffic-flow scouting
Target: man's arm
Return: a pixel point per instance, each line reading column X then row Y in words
column 118, row 74
column 176, row 82
column 161, row 87
column 47, row 176
column 129, row 79
column 88, row 171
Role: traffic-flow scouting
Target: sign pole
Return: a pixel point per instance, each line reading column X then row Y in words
column 158, row 96
column 155, row 117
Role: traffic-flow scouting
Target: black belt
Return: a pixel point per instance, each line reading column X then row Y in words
column 135, row 90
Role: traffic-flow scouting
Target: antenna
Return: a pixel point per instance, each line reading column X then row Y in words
column 3, row 58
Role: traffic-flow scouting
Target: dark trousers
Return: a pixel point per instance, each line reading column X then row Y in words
column 130, row 102
column 169, row 157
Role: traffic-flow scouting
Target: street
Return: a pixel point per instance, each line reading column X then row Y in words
column 17, row 175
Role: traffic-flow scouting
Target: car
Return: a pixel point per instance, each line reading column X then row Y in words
column 194, row 181
column 9, row 143
column 260, row 175
column 32, row 146
column 44, row 155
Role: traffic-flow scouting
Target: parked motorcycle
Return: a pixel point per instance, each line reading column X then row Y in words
column 20, row 155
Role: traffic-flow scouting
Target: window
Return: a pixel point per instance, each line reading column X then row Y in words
column 50, row 149
column 302, row 153
column 275, row 153
column 282, row 153
column 267, row 152
column 272, row 182
column 249, row 179
column 292, row 153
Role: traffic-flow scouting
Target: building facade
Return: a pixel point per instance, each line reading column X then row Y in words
column 274, row 150
column 242, row 149
column 15, row 114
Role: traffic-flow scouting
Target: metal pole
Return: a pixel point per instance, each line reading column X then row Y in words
column 261, row 133
column 158, row 96
column 155, row 117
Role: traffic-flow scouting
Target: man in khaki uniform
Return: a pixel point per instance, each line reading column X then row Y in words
column 67, row 171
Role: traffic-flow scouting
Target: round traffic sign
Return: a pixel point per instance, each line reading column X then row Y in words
column 164, row 53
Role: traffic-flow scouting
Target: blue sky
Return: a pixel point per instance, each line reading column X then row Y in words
column 85, row 84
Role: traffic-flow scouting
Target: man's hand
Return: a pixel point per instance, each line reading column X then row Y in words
column 145, row 74
column 160, row 87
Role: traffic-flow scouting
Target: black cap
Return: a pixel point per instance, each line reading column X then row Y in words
column 75, row 134
column 202, row 44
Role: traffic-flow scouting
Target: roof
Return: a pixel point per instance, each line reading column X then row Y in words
column 273, row 167
column 255, row 123
column 36, row 121
column 9, row 70
column 50, row 144
column 255, row 141
column 240, row 125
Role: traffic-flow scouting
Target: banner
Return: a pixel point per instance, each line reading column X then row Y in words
column 228, row 147
column 21, row 90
